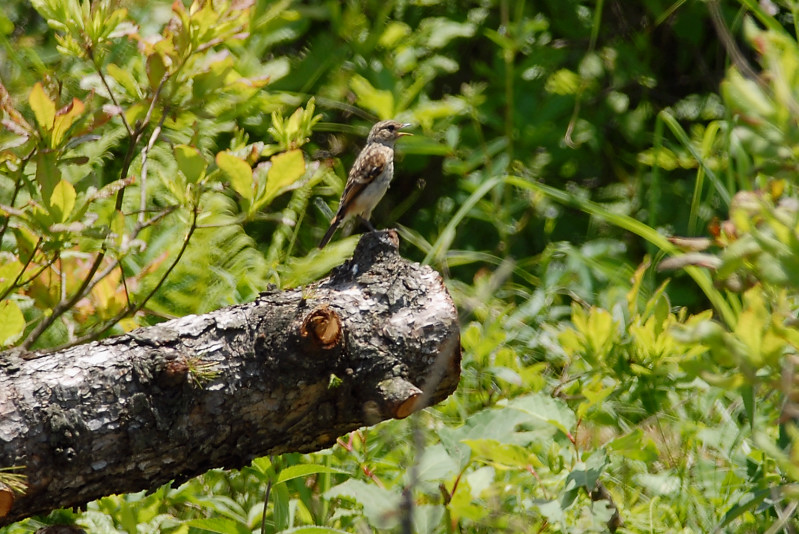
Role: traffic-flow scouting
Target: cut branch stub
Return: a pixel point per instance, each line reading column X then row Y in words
column 172, row 401
column 6, row 499
column 322, row 327
column 400, row 397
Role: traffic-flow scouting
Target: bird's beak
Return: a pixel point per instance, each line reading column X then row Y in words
column 406, row 125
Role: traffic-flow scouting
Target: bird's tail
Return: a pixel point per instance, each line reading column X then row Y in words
column 330, row 231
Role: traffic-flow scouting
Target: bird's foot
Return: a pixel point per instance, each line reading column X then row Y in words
column 365, row 222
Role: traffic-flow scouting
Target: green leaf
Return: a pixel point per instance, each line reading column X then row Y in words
column 635, row 446
column 545, row 408
column 552, row 510
column 502, row 455
column 748, row 503
column 303, row 470
column 664, row 484
column 238, row 172
column 47, row 174
column 434, row 465
column 379, row 504
column 701, row 277
column 12, row 322
column 62, row 201
column 280, row 498
column 427, row 518
column 219, row 525
column 43, row 108
column 286, row 169
column 190, row 162
column 313, row 530
column 6, row 26
column 263, row 465
column 585, row 476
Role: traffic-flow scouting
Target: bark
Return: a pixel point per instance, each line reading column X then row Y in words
column 291, row 371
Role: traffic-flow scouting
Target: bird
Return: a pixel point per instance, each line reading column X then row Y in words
column 369, row 176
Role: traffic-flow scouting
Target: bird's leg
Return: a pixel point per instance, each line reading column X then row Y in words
column 365, row 222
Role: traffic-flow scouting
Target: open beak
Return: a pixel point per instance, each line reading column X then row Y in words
column 406, row 125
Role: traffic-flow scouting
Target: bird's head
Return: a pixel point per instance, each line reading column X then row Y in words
column 387, row 132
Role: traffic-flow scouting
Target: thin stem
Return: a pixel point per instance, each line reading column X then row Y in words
column 117, row 263
column 63, row 305
column 508, row 56
column 36, row 275
column 183, row 248
column 579, row 97
column 14, row 285
column 156, row 95
column 17, row 187
column 144, row 157
column 133, row 309
column 125, row 123
column 266, row 502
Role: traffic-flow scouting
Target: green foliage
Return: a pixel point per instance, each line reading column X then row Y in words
column 161, row 159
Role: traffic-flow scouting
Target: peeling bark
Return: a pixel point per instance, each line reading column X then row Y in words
column 291, row 371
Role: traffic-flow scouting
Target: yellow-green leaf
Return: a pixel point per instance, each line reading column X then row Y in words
column 12, row 322
column 43, row 108
column 286, row 169
column 26, row 242
column 8, row 273
column 377, row 100
column 563, row 82
column 117, row 228
column 238, row 172
column 62, row 201
column 190, row 162
column 502, row 455
column 155, row 70
column 65, row 118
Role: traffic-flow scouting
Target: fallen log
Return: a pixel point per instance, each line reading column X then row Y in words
column 289, row 372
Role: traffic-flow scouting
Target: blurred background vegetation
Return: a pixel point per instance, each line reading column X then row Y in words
column 161, row 159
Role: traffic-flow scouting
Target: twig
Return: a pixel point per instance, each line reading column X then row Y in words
column 110, row 92
column 36, row 275
column 149, row 113
column 17, row 187
column 133, row 308
column 144, row 157
column 14, row 285
column 63, row 305
column 192, row 228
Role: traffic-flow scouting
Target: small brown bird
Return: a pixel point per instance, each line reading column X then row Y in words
column 369, row 176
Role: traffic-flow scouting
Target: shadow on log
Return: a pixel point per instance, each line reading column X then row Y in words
column 292, row 371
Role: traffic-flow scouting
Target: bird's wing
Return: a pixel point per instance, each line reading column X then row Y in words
column 370, row 164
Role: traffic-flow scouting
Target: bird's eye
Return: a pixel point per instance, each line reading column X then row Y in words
column 390, row 127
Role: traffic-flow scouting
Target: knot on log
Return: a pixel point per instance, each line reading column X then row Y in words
column 6, row 499
column 174, row 373
column 322, row 327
